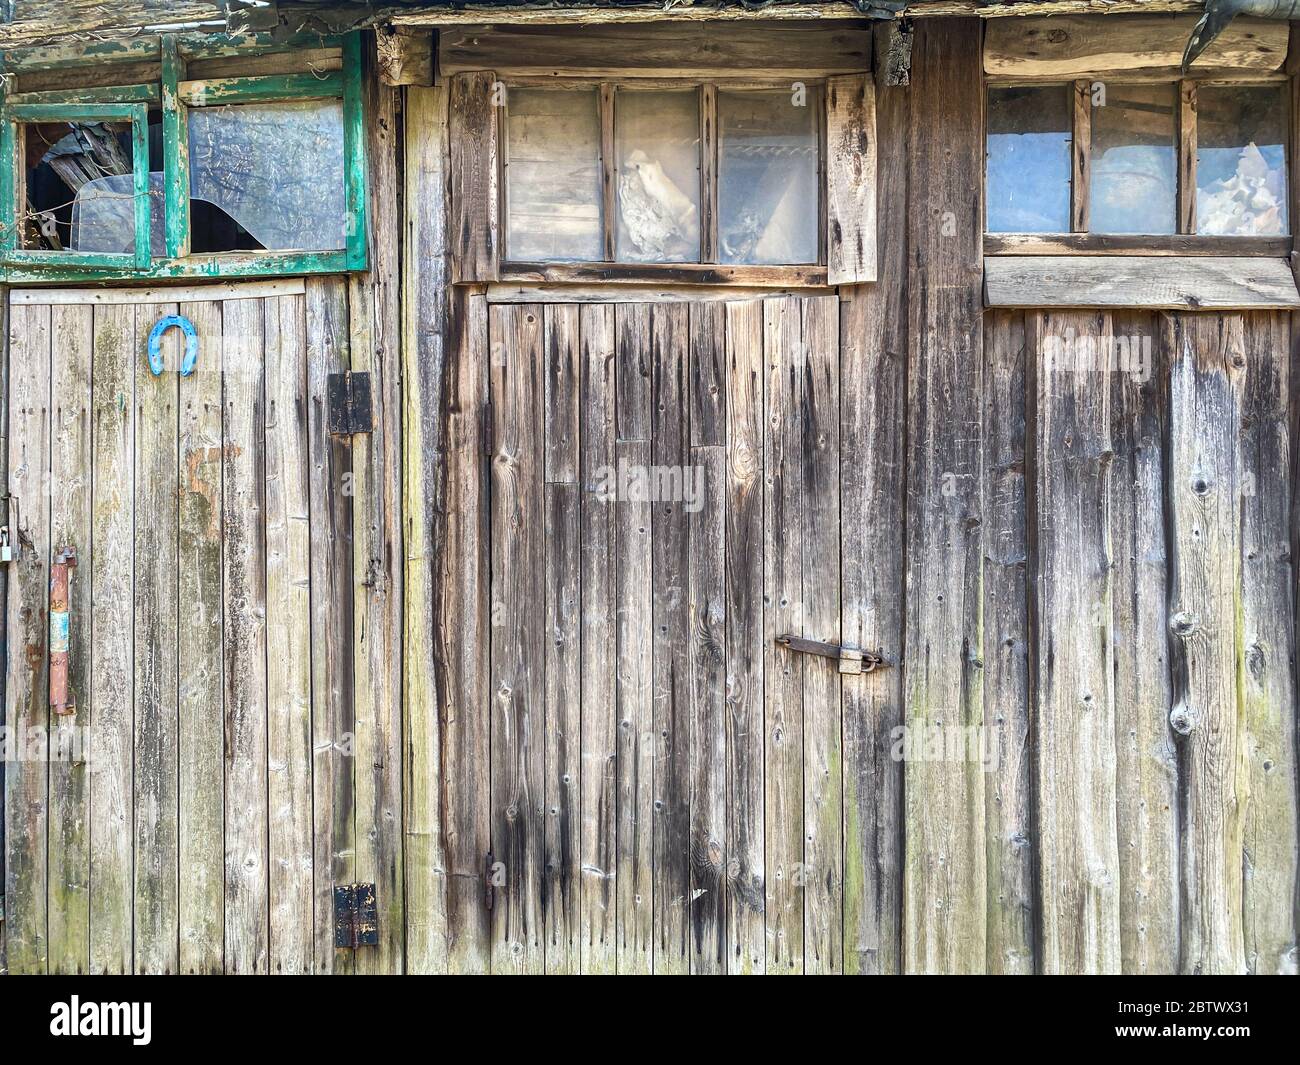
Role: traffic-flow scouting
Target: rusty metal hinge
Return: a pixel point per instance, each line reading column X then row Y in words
column 356, row 916
column 350, row 407
column 851, row 660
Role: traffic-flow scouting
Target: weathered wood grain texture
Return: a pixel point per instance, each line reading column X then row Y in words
column 405, row 56
column 851, row 186
column 243, row 597
column 707, row 622
column 873, row 388
column 634, row 690
column 26, row 805
column 945, row 875
column 1072, row 652
column 563, row 730
column 561, row 348
column 72, row 340
column 518, row 652
column 1211, row 283
column 375, row 325
column 1005, row 745
column 1146, row 767
column 330, row 492
column 1267, row 638
column 1207, row 370
column 288, row 616
column 599, row 620
column 818, row 368
column 4, row 584
column 426, row 336
column 463, row 616
column 117, row 348
column 658, row 50
column 670, row 547
column 746, row 414
column 1067, row 46
column 156, row 777
column 474, row 206
column 199, row 644
column 783, row 669
column 708, row 374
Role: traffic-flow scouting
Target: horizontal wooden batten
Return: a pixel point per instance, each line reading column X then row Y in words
column 1151, row 281
column 250, row 290
column 1070, row 47
column 109, row 94
column 504, row 292
column 657, row 50
column 666, row 273
column 1124, row 244
column 257, row 89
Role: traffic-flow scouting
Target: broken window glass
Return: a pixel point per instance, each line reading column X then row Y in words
column 1241, row 161
column 275, row 169
column 553, row 175
column 1029, row 136
column 657, row 160
column 1134, row 160
column 767, row 176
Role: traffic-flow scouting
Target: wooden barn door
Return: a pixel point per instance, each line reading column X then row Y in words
column 666, row 789
column 208, row 630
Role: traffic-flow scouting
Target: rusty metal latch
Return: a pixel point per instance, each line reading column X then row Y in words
column 356, row 915
column 852, row 660
column 350, row 409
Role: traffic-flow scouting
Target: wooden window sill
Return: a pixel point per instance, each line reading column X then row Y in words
column 665, row 273
column 1122, row 244
column 1139, row 281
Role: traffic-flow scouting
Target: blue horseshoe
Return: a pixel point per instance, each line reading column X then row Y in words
column 191, row 343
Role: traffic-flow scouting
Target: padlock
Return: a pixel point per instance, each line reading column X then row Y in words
column 10, row 550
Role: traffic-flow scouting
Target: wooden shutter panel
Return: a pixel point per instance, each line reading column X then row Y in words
column 475, row 231
column 850, row 179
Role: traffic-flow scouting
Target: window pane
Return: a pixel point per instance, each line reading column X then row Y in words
column 1134, row 162
column 268, row 176
column 1241, row 160
column 1029, row 160
column 767, row 177
column 553, row 175
column 657, row 155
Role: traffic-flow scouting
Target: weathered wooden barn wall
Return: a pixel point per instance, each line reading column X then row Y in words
column 576, row 745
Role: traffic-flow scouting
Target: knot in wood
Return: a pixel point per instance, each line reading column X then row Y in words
column 1183, row 624
column 1180, row 720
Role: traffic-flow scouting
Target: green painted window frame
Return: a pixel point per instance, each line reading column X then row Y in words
column 176, row 96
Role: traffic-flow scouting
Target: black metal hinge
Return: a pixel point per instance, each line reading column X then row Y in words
column 851, row 660
column 356, row 916
column 350, row 409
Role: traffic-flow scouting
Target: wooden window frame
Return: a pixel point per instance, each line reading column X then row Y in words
column 176, row 95
column 1186, row 241
column 706, row 271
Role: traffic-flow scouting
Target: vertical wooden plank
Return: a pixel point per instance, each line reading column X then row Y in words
column 4, row 576
column 288, row 618
column 1146, row 767
column 475, row 248
column 1187, row 156
column 1072, row 656
column 823, row 807
column 708, row 103
column 745, row 554
column 1207, row 370
column 518, row 654
column 563, row 739
column 156, row 771
column 72, row 333
column 375, row 327
column 708, row 374
column 670, row 453
column 1268, row 642
column 1080, row 154
column 873, row 358
column 176, row 155
column 599, row 634
column 112, row 542
column 705, row 506
column 851, row 187
column 783, row 669
column 27, row 627
column 607, row 187
column 426, row 333
column 463, row 638
column 633, row 577
column 200, row 642
column 1005, row 744
column 563, row 661
column 945, row 878
column 330, row 490
column 243, row 596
